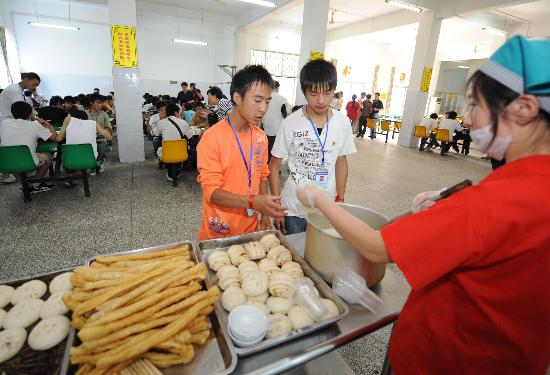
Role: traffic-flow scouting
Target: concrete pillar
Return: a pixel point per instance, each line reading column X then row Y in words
column 126, row 85
column 424, row 56
column 314, row 35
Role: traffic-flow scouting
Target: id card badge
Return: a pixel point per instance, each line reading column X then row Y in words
column 249, row 211
column 321, row 179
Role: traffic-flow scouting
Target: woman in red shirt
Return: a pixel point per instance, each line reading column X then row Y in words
column 352, row 109
column 480, row 299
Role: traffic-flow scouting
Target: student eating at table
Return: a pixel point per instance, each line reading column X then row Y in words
column 232, row 162
column 480, row 296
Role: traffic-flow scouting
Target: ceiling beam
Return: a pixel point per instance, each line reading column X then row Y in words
column 371, row 25
column 449, row 9
column 258, row 13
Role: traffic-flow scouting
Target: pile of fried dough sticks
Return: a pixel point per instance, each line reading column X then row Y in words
column 132, row 307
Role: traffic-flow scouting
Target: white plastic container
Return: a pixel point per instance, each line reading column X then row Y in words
column 305, row 294
column 247, row 325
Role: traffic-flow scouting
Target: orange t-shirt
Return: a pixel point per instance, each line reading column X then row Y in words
column 221, row 166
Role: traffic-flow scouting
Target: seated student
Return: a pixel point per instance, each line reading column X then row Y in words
column 200, row 119
column 172, row 127
column 451, row 124
column 54, row 113
column 155, row 118
column 189, row 113
column 68, row 104
column 430, row 124
column 97, row 114
column 77, row 129
column 22, row 131
column 217, row 103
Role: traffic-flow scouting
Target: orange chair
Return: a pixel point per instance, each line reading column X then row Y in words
column 174, row 153
column 396, row 128
column 442, row 135
column 385, row 125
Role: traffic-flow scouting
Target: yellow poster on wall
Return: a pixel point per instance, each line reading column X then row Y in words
column 314, row 55
column 124, row 46
column 426, row 78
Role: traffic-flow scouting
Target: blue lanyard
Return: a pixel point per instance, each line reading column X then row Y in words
column 248, row 165
column 314, row 128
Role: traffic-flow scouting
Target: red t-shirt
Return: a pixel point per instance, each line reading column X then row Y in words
column 479, row 266
column 352, row 109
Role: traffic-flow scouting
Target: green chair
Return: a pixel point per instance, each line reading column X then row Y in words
column 79, row 157
column 47, row 146
column 18, row 160
column 57, row 126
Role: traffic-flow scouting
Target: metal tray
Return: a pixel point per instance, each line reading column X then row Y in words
column 28, row 361
column 217, row 357
column 205, row 248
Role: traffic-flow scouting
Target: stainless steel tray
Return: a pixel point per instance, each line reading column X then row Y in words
column 28, row 361
column 204, row 248
column 217, row 357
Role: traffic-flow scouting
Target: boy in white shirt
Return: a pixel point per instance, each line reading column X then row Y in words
column 316, row 140
column 22, row 131
column 430, row 124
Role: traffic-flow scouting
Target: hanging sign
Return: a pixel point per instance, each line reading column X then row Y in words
column 124, row 46
column 426, row 78
column 314, row 55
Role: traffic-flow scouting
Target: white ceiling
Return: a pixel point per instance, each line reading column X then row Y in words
column 345, row 12
column 233, row 8
column 535, row 11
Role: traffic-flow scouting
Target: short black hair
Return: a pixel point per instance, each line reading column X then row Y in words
column 172, row 109
column 369, row 96
column 434, row 116
column 95, row 88
column 95, row 97
column 213, row 118
column 21, row 110
column 247, row 76
column 184, row 84
column 377, row 93
column 160, row 104
column 318, row 73
column 200, row 104
column 85, row 102
column 276, row 84
column 68, row 99
column 215, row 91
column 77, row 113
column 192, row 84
column 363, row 93
column 30, row 76
column 55, row 100
column 188, row 106
column 452, row 115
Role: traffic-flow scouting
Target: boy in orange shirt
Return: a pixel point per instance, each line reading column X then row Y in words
column 232, row 162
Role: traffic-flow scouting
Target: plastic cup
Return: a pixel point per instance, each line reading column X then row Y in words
column 353, row 289
column 306, row 295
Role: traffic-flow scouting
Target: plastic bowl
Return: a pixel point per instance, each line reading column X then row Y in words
column 243, row 344
column 247, row 324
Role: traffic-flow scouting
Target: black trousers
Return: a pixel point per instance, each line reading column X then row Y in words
column 362, row 126
column 270, row 143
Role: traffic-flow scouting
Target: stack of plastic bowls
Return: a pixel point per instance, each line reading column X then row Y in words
column 247, row 325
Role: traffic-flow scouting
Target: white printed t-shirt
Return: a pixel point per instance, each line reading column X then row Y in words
column 297, row 142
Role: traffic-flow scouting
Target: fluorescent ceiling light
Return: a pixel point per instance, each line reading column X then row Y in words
column 196, row 42
column 494, row 31
column 407, row 6
column 263, row 3
column 463, row 67
column 52, row 26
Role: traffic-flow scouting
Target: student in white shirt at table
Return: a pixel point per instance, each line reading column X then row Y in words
column 451, row 124
column 167, row 127
column 430, row 123
column 21, row 130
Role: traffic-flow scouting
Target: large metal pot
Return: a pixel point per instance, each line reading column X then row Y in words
column 328, row 254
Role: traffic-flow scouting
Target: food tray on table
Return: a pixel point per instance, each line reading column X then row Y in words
column 205, row 248
column 216, row 357
column 28, row 361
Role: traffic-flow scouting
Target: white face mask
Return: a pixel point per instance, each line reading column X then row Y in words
column 495, row 149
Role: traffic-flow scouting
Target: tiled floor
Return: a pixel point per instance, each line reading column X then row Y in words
column 134, row 206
